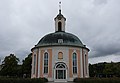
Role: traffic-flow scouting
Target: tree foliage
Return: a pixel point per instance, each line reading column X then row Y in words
column 104, row 69
column 10, row 65
column 26, row 66
column 11, row 68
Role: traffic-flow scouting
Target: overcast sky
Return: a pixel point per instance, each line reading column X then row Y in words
column 96, row 22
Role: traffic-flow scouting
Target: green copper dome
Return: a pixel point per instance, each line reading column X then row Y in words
column 60, row 39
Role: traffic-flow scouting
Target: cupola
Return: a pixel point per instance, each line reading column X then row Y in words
column 60, row 21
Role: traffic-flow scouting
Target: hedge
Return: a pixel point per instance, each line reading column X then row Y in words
column 21, row 80
column 97, row 80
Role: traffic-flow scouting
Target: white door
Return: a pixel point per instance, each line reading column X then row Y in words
column 60, row 72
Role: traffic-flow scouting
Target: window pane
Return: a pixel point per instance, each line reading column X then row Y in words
column 74, row 56
column 56, row 74
column 45, row 69
column 46, row 56
column 64, row 74
column 58, row 66
column 46, row 62
column 74, row 70
column 63, row 66
column 73, row 63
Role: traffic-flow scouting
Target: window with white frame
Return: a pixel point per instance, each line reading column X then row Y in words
column 74, row 63
column 45, row 62
column 60, row 41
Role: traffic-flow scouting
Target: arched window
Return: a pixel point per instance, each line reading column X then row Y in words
column 60, row 55
column 59, row 26
column 74, row 63
column 34, row 63
column 46, row 62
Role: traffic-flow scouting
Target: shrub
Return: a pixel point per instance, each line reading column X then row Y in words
column 21, row 80
column 76, row 80
column 44, row 79
column 97, row 80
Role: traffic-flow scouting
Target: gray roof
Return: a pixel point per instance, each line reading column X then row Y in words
column 66, row 39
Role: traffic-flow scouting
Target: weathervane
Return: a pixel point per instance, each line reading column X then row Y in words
column 60, row 7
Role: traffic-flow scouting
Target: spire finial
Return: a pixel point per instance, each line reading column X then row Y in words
column 60, row 7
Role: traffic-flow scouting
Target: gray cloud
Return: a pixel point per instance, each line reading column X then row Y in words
column 105, row 50
column 95, row 22
column 100, row 2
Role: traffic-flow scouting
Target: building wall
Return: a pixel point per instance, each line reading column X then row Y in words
column 67, row 58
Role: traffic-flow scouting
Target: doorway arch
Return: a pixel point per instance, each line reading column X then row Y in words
column 60, row 72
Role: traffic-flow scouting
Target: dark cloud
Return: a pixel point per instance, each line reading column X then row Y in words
column 95, row 22
column 105, row 50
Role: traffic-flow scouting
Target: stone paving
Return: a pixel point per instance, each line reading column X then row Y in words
column 60, row 82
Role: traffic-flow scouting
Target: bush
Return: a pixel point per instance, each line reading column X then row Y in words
column 44, row 79
column 21, row 80
column 97, row 80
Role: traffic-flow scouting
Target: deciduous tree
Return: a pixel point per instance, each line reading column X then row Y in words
column 9, row 65
column 26, row 66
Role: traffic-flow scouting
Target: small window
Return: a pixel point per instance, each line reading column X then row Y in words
column 60, row 55
column 60, row 41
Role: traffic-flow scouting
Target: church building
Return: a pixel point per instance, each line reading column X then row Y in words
column 60, row 56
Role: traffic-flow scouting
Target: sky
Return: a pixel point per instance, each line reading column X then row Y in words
column 96, row 22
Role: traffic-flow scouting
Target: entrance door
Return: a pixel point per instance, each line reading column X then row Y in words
column 60, row 71
column 60, row 74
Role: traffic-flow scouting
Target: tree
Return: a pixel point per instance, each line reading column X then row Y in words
column 91, row 70
column 9, row 65
column 26, row 66
column 109, row 68
column 104, row 69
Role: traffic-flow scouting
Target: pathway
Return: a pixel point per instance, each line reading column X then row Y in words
column 60, row 82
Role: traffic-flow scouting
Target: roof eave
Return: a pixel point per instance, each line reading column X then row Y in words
column 40, row 46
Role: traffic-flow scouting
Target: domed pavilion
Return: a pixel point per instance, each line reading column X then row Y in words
column 60, row 56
